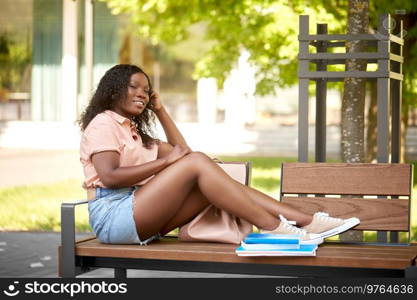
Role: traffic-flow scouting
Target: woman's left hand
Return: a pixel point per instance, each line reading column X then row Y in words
column 155, row 100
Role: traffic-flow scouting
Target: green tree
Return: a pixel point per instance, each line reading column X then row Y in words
column 267, row 29
column 14, row 61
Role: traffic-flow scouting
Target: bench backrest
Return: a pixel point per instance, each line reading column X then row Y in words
column 378, row 194
column 239, row 171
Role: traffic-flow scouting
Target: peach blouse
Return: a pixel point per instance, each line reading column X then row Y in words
column 109, row 131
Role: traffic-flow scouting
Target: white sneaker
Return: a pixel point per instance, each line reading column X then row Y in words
column 287, row 227
column 327, row 226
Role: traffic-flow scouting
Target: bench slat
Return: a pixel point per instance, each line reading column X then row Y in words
column 355, row 256
column 346, row 179
column 375, row 214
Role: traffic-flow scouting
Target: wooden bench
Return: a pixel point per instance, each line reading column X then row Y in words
column 379, row 194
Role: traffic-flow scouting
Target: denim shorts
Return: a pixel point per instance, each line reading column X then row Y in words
column 111, row 217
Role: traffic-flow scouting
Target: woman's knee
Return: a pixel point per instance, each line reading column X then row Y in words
column 194, row 160
column 198, row 158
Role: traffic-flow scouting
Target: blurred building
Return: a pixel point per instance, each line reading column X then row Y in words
column 52, row 55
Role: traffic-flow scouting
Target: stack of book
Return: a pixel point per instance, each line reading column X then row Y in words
column 264, row 244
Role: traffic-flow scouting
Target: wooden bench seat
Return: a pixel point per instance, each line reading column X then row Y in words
column 329, row 254
column 345, row 259
column 379, row 194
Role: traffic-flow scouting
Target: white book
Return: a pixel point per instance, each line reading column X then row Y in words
column 304, row 250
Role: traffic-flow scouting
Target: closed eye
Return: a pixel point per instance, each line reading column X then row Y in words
column 147, row 91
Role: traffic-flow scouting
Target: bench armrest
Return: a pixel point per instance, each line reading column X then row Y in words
column 67, row 257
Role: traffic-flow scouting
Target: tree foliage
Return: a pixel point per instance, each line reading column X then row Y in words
column 14, row 60
column 267, row 29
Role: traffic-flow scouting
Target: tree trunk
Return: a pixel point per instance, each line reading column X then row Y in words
column 353, row 101
column 371, row 146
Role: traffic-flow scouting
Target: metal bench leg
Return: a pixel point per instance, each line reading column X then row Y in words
column 67, row 255
column 120, row 273
column 67, row 240
column 411, row 272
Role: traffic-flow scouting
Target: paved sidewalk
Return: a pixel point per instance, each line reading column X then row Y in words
column 38, row 166
column 34, row 254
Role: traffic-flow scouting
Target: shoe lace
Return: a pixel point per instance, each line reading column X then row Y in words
column 290, row 226
column 325, row 216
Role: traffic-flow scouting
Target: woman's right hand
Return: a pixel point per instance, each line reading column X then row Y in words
column 177, row 152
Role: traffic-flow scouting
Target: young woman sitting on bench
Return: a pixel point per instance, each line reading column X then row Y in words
column 142, row 188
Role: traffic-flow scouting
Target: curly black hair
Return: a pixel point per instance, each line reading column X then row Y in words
column 113, row 87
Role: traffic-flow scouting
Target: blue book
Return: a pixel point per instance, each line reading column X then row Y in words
column 268, row 246
column 269, row 238
column 304, row 250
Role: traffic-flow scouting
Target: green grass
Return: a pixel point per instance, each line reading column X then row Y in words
column 37, row 207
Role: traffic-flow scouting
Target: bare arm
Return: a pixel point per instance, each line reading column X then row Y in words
column 164, row 149
column 172, row 133
column 107, row 165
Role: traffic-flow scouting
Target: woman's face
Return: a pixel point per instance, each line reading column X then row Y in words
column 137, row 97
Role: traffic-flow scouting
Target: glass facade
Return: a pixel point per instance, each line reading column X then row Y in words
column 46, row 60
column 31, row 60
column 16, row 42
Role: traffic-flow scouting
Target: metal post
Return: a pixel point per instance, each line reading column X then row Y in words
column 303, row 120
column 303, row 94
column 396, row 106
column 395, row 120
column 383, row 87
column 396, row 102
column 321, row 92
column 383, row 90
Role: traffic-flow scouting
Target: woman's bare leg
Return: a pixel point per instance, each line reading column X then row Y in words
column 160, row 199
column 276, row 208
column 178, row 199
column 193, row 204
column 196, row 202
